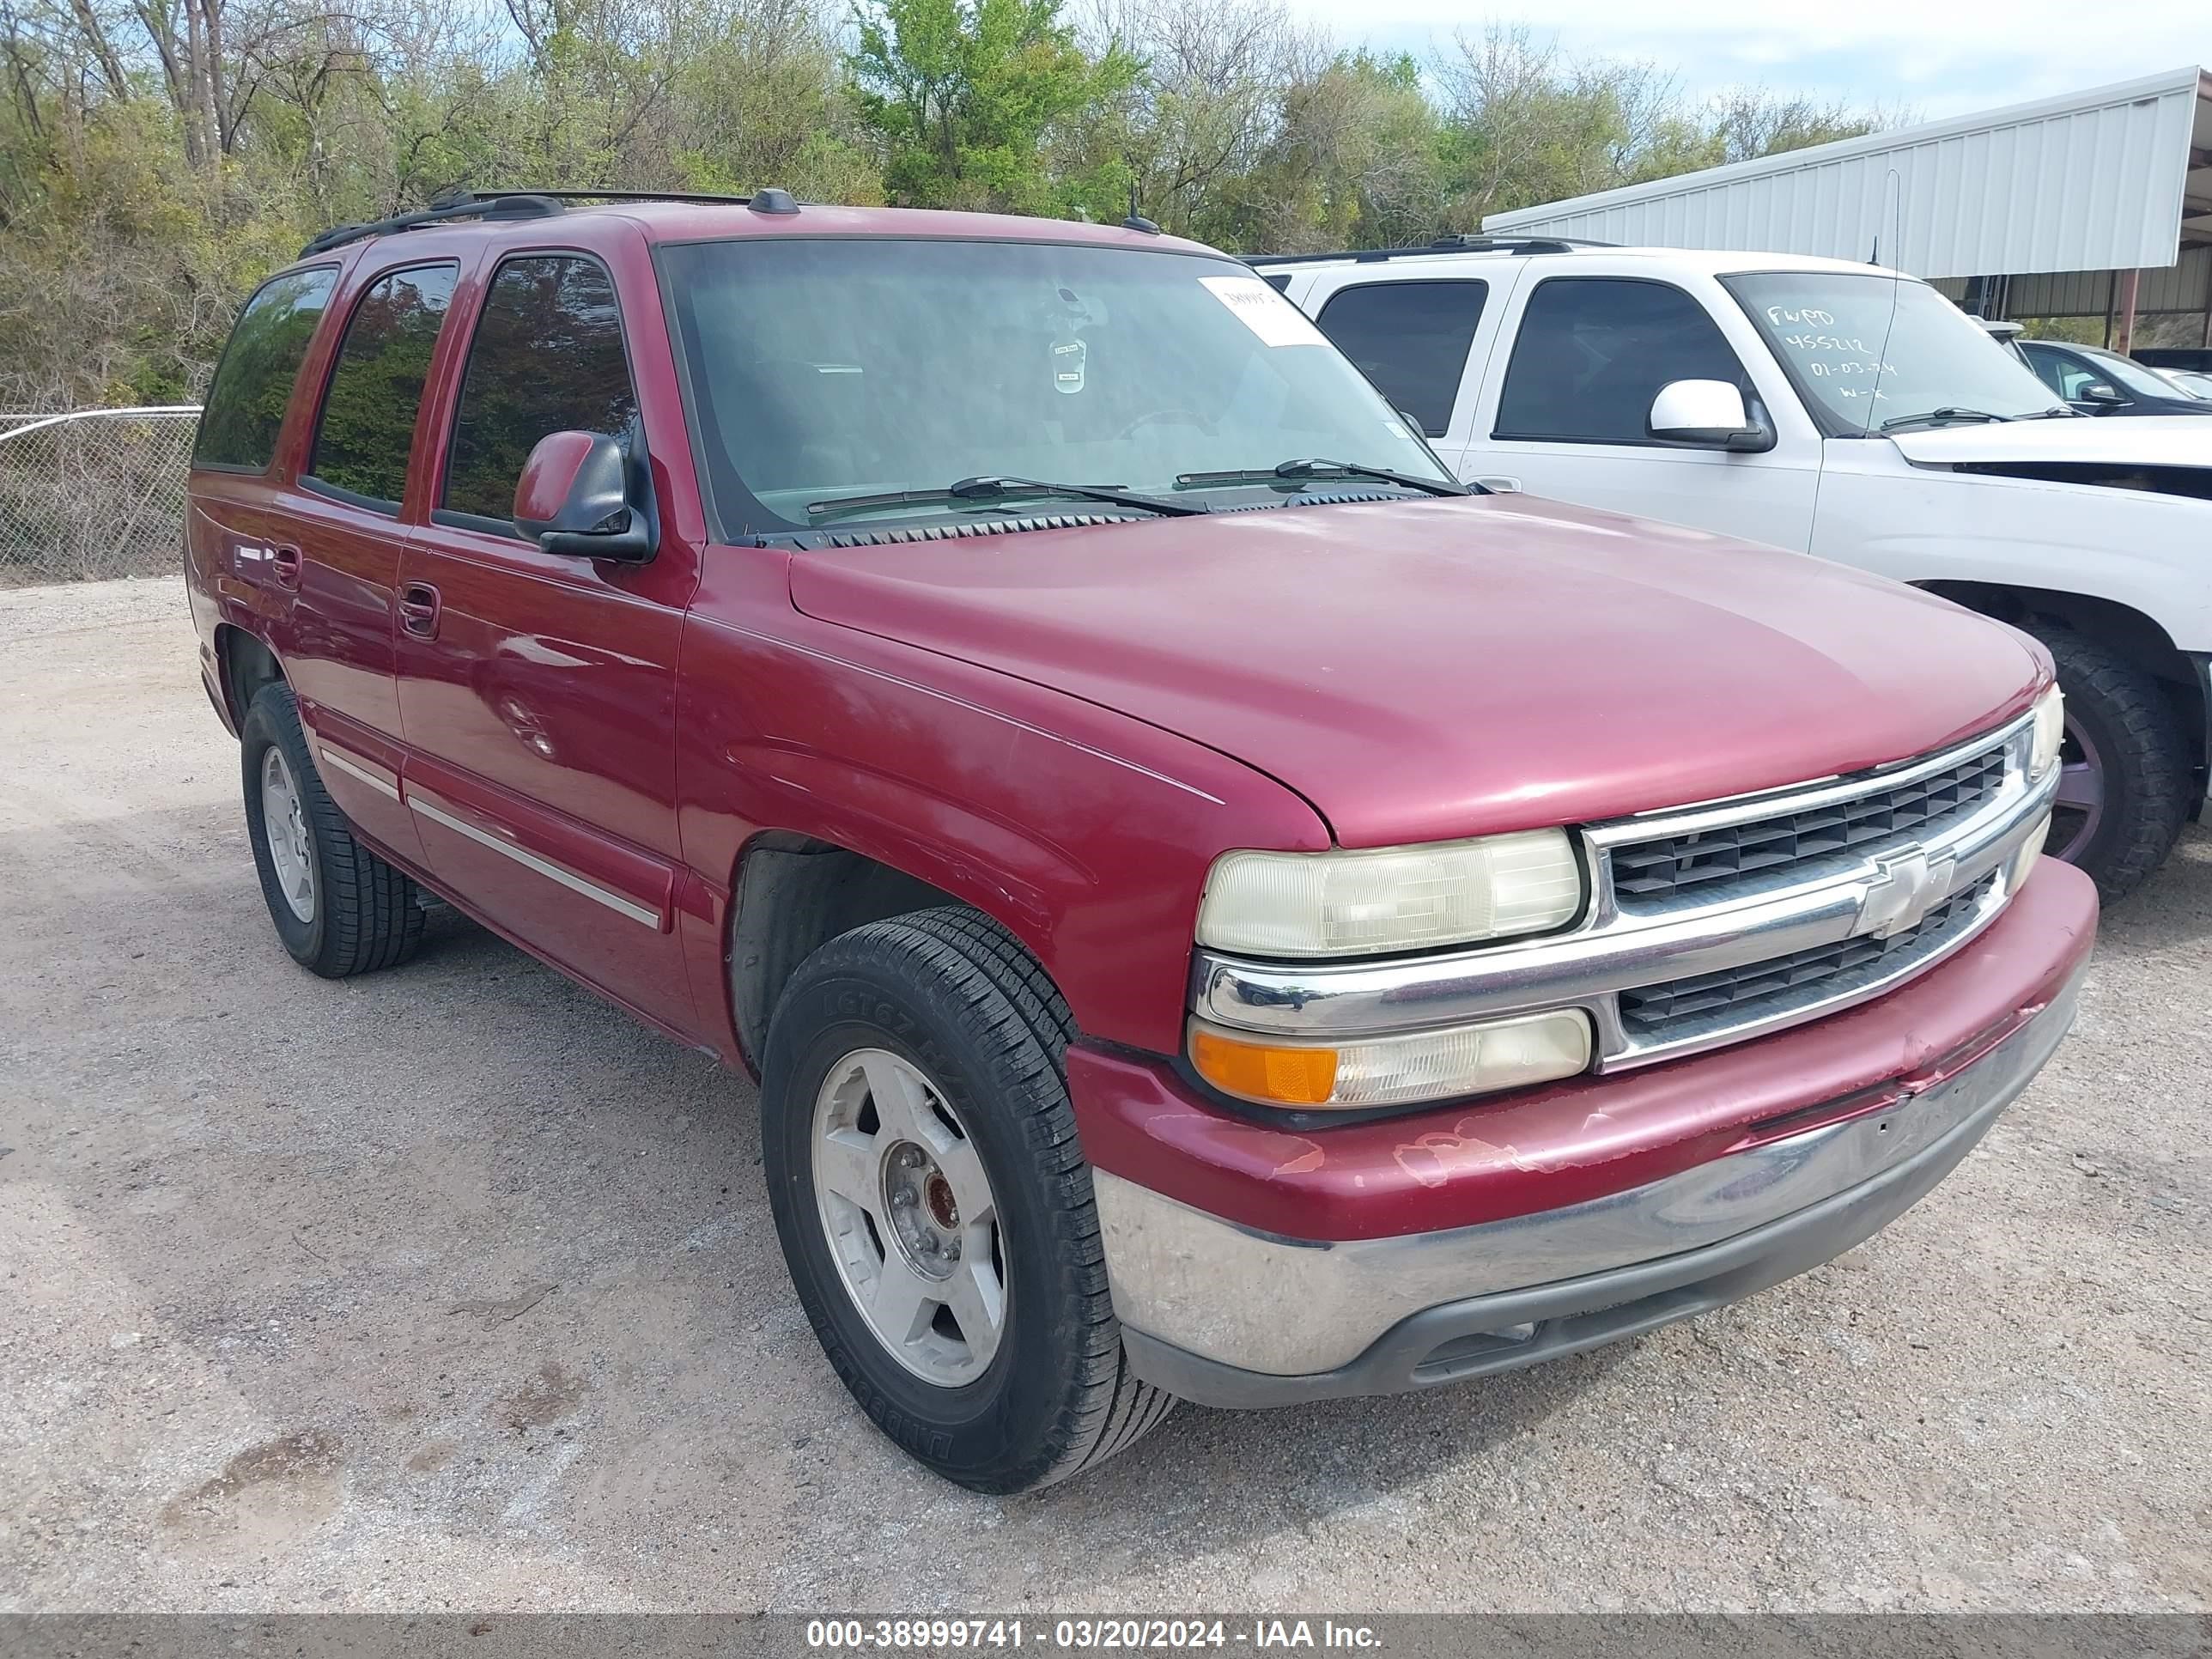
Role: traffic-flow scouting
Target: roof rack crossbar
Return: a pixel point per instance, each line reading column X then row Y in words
column 480, row 204
column 531, row 203
column 619, row 196
column 1467, row 244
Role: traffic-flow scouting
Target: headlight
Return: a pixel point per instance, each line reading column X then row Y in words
column 1394, row 1071
column 2050, row 733
column 1393, row 898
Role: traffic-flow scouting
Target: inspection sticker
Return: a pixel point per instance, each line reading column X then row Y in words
column 1266, row 313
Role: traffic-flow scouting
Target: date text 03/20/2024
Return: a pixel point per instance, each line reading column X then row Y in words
column 930, row 1635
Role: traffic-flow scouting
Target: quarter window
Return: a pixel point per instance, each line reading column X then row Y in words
column 1411, row 340
column 1594, row 351
column 547, row 357
column 246, row 405
column 368, row 424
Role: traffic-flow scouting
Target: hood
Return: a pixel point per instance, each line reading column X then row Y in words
column 2164, row 440
column 1419, row 670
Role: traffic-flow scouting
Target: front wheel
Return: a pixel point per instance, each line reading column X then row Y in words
column 934, row 1207
column 2123, row 783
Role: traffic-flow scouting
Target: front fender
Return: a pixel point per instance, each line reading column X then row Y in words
column 1086, row 833
column 2134, row 548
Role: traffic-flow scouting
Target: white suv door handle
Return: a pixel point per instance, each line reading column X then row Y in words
column 1502, row 485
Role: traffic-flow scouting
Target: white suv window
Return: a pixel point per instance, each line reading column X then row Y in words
column 1410, row 339
column 1594, row 351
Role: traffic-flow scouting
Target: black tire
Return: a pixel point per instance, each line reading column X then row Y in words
column 2127, row 716
column 365, row 914
column 956, row 997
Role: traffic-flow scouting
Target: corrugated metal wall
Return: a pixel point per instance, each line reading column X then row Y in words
column 2090, row 182
column 2185, row 285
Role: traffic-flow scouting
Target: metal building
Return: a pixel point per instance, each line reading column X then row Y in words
column 2096, row 202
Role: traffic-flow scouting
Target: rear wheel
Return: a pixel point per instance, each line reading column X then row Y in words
column 934, row 1207
column 2124, row 784
column 340, row 909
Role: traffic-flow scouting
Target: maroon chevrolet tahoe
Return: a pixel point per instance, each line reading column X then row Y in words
column 1377, row 937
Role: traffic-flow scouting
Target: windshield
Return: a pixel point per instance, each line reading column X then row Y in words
column 1829, row 329
column 823, row 370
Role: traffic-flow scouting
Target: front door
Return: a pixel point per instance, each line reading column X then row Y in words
column 537, row 691
column 1569, row 417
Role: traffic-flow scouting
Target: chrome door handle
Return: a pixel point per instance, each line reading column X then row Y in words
column 1499, row 483
column 418, row 610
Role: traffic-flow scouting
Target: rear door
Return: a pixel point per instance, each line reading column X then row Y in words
column 345, row 510
column 1410, row 339
column 1564, row 410
column 537, row 690
column 1420, row 330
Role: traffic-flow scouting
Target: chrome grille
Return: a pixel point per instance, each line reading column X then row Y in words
column 1772, row 909
column 1673, row 1007
column 1658, row 871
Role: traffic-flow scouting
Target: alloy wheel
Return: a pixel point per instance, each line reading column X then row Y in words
column 2080, row 807
column 909, row 1216
column 284, row 827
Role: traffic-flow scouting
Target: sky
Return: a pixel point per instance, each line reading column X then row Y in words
column 1934, row 58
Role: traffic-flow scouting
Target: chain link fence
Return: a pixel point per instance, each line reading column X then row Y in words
column 93, row 494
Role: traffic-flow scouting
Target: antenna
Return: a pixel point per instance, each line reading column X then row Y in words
column 1893, row 209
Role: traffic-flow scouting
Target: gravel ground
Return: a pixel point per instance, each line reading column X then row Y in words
column 451, row 1288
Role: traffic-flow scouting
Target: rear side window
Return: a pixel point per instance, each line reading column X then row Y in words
column 1410, row 339
column 1594, row 351
column 246, row 405
column 367, row 423
column 547, row 357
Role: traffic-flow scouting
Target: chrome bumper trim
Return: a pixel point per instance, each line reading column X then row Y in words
column 1614, row 950
column 1293, row 1308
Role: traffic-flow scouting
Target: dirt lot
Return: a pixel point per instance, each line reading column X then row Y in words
column 451, row 1288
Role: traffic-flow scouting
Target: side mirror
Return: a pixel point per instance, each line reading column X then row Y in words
column 2102, row 391
column 1709, row 413
column 583, row 493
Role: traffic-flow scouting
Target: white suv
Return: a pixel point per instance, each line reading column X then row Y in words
column 1838, row 409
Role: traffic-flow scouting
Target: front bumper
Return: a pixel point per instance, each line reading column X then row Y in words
column 1227, row 1312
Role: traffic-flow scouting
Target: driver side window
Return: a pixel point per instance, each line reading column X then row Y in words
column 547, row 357
column 1594, row 351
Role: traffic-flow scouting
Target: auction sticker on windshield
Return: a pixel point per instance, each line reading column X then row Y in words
column 1266, row 313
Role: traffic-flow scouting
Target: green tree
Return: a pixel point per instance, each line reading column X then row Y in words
column 966, row 96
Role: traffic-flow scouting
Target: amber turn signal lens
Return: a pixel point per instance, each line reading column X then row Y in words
column 1359, row 1074
column 1254, row 1071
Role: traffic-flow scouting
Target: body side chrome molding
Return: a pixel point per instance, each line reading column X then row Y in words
column 545, row 867
column 383, row 786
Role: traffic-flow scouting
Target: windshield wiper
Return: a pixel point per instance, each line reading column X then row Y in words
column 992, row 488
column 1302, row 471
column 1942, row 417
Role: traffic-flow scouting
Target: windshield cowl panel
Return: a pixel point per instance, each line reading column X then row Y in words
column 1871, row 354
column 822, row 371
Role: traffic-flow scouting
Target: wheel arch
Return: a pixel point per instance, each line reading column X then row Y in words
column 2120, row 628
column 793, row 892
column 246, row 662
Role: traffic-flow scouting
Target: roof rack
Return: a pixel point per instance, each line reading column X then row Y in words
column 496, row 204
column 1467, row 244
column 476, row 205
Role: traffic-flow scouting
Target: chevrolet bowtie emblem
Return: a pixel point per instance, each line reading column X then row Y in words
column 1906, row 886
